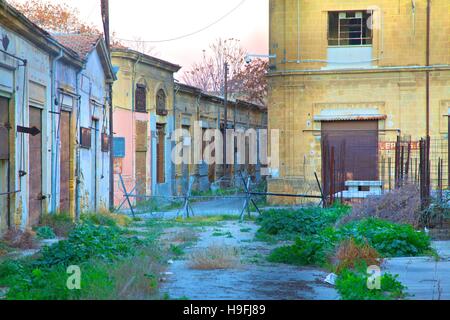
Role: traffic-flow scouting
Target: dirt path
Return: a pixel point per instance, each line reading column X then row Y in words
column 253, row 279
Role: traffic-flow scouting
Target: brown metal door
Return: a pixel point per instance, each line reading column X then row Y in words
column 141, row 157
column 160, row 159
column 4, row 163
column 354, row 145
column 35, row 168
column 65, row 136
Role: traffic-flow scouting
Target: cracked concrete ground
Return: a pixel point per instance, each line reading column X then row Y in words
column 427, row 278
column 254, row 279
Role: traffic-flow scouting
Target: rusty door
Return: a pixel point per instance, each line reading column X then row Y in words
column 65, row 137
column 350, row 150
column 4, row 163
column 141, row 157
column 35, row 168
column 94, row 163
column 160, row 157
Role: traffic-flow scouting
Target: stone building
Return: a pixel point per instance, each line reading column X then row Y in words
column 143, row 99
column 86, row 113
column 355, row 72
column 47, row 92
column 195, row 106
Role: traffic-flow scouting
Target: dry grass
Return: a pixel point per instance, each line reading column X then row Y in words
column 138, row 279
column 20, row 239
column 61, row 223
column 214, row 257
column 350, row 253
column 399, row 206
column 184, row 236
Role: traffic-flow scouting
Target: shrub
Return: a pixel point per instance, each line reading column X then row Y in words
column 352, row 285
column 400, row 206
column 19, row 239
column 350, row 254
column 61, row 223
column 308, row 250
column 214, row 257
column 437, row 212
column 307, row 221
column 389, row 239
column 45, row 233
column 88, row 241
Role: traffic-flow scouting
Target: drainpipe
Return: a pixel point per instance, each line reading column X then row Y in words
column 78, row 153
column 54, row 103
column 428, row 72
column 174, row 168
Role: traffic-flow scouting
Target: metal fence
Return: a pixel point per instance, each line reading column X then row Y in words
column 362, row 169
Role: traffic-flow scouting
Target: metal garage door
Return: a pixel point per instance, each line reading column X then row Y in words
column 4, row 163
column 353, row 145
column 64, row 204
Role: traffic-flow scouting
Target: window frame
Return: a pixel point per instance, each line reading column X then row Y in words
column 140, row 96
column 161, row 111
column 365, row 33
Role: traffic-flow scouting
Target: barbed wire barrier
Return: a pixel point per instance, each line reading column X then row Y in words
column 184, row 203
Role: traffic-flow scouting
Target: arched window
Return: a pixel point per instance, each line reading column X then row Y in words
column 161, row 103
column 141, row 98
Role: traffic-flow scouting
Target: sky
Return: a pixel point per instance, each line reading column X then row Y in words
column 163, row 19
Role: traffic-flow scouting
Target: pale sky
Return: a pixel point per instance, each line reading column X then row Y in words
column 162, row 19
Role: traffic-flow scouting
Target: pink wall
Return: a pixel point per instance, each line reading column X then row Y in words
column 124, row 126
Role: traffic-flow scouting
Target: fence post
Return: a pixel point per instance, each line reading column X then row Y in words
column 126, row 194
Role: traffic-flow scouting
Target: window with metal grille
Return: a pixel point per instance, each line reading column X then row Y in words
column 141, row 98
column 161, row 103
column 85, row 141
column 349, row 28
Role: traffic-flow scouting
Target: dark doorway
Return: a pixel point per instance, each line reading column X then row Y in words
column 65, row 136
column 4, row 163
column 349, row 153
column 35, row 168
column 160, row 154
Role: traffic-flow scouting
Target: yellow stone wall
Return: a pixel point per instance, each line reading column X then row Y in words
column 395, row 86
column 130, row 71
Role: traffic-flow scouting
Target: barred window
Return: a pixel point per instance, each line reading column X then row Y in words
column 349, row 28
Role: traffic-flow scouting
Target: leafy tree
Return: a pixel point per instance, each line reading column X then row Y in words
column 54, row 17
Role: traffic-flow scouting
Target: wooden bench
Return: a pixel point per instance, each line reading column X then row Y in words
column 362, row 189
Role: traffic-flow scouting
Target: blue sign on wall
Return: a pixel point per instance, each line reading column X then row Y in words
column 119, row 147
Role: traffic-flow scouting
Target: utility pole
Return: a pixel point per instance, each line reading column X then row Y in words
column 225, row 103
column 427, row 65
column 105, row 19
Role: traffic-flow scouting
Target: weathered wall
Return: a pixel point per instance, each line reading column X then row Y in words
column 94, row 163
column 24, row 86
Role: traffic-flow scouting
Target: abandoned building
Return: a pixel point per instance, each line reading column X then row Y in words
column 148, row 106
column 143, row 98
column 91, row 121
column 193, row 105
column 356, row 75
column 48, row 93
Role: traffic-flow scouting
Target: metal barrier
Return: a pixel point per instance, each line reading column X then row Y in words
column 186, row 210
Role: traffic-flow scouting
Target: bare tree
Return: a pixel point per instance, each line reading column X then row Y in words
column 208, row 74
column 250, row 84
